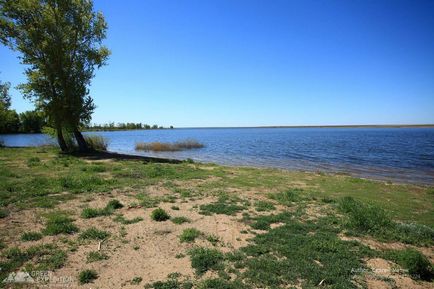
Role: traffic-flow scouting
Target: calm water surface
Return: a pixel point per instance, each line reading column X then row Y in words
column 397, row 154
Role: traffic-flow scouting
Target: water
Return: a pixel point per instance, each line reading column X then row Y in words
column 396, row 154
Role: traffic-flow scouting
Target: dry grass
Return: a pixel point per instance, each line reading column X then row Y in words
column 169, row 147
column 96, row 142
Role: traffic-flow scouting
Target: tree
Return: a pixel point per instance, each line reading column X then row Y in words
column 32, row 121
column 61, row 44
column 5, row 98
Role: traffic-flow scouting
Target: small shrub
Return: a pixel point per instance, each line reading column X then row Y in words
column 175, row 208
column 96, row 142
column 180, row 220
column 31, row 236
column 94, row 234
column 136, row 280
column 95, row 256
column 213, row 239
column 114, row 205
column 189, row 235
column 204, row 259
column 159, row 215
column 87, row 276
column 418, row 266
column 59, row 223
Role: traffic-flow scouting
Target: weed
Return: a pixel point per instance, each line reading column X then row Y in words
column 286, row 198
column 96, row 142
column 95, row 256
column 180, row 220
column 121, row 219
column 261, row 206
column 31, row 236
column 3, row 213
column 94, row 234
column 189, row 235
column 204, row 259
column 112, row 205
column 59, row 223
column 87, row 276
column 175, row 208
column 159, row 215
column 223, row 205
column 213, row 239
column 136, row 280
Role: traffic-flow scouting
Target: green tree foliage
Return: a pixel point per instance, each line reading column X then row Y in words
column 60, row 42
column 9, row 120
column 32, row 121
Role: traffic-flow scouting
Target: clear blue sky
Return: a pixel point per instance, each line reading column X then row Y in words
column 248, row 63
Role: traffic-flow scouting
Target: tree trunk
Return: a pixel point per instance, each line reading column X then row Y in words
column 61, row 140
column 82, row 145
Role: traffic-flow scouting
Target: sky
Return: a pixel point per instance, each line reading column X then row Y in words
column 196, row 63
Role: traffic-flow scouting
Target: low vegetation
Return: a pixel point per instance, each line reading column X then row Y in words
column 235, row 227
column 169, row 147
column 96, row 142
column 160, row 215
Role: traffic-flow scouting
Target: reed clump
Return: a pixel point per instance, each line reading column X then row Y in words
column 96, row 142
column 169, row 147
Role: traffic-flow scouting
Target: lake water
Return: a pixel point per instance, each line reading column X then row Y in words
column 396, row 154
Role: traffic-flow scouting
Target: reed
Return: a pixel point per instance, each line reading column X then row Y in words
column 169, row 147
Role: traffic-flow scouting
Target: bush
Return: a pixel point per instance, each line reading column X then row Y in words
column 159, row 215
column 204, row 259
column 96, row 142
column 96, row 256
column 87, row 276
column 114, row 204
column 189, row 235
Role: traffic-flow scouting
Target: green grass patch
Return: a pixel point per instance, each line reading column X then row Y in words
column 418, row 266
column 160, row 215
column 288, row 197
column 121, row 219
column 94, row 234
column 31, row 236
column 111, row 206
column 180, row 220
column 59, row 223
column 362, row 219
column 189, row 235
column 204, row 259
column 224, row 205
column 262, row 206
column 96, row 256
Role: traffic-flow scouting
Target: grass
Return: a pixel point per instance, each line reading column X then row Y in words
column 224, row 205
column 160, row 215
column 180, row 220
column 418, row 266
column 369, row 219
column 121, row 219
column 204, row 259
column 96, row 256
column 59, row 223
column 111, row 206
column 31, row 236
column 189, row 235
column 169, row 147
column 263, row 206
column 87, row 276
column 309, row 245
column 94, row 234
column 96, row 142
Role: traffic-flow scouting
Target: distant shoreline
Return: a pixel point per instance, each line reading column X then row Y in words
column 322, row 126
